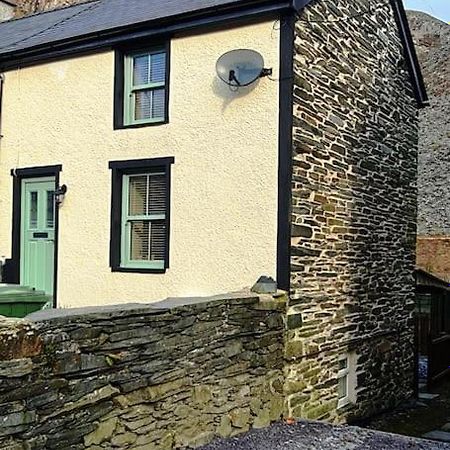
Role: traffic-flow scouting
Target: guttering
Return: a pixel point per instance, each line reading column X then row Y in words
column 245, row 10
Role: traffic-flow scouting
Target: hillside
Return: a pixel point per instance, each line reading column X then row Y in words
column 432, row 39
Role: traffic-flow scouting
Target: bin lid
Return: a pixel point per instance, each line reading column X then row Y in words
column 14, row 293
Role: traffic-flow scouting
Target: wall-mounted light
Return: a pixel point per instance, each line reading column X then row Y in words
column 60, row 194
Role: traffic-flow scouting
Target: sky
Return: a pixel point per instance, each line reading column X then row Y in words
column 437, row 8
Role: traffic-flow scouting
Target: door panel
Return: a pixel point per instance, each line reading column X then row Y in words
column 38, row 234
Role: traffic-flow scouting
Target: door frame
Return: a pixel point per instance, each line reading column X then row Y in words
column 18, row 176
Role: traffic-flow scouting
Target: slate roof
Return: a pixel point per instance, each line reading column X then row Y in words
column 93, row 17
column 101, row 23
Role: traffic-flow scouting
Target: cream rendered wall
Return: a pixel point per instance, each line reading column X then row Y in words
column 224, row 180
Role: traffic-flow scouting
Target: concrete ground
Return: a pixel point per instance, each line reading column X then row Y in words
column 320, row 436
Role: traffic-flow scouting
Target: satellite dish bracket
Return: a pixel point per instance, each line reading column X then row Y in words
column 233, row 79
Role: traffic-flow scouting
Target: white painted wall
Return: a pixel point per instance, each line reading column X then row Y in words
column 224, row 180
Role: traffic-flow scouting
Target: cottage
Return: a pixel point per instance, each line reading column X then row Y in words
column 130, row 171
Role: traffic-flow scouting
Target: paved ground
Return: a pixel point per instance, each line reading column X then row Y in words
column 320, row 436
column 419, row 419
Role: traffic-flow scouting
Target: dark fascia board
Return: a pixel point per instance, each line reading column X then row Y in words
column 410, row 53
column 229, row 15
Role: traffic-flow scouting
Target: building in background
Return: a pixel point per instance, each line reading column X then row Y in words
column 432, row 40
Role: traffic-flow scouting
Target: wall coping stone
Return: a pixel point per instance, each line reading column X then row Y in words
column 161, row 307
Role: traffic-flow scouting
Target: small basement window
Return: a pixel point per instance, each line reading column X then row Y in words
column 141, row 87
column 346, row 377
column 140, row 215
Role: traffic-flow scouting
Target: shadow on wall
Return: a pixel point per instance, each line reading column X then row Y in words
column 228, row 93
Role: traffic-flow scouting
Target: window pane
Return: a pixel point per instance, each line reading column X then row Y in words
column 147, row 241
column 147, row 195
column 343, row 364
column 141, row 66
column 157, row 194
column 137, row 197
column 342, row 387
column 158, row 68
column 143, row 105
column 159, row 100
column 149, row 104
column 50, row 209
column 33, row 209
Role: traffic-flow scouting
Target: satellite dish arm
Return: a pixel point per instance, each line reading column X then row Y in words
column 232, row 77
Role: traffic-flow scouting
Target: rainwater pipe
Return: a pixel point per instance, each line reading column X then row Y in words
column 2, row 82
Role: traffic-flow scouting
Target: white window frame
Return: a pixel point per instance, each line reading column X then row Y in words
column 349, row 372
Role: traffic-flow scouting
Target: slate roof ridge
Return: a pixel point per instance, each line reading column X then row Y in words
column 50, row 11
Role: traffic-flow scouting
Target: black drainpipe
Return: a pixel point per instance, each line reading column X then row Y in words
column 2, row 81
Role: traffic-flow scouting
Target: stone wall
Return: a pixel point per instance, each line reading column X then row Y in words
column 25, row 7
column 6, row 11
column 170, row 375
column 353, row 212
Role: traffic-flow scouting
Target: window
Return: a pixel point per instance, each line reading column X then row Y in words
column 140, row 215
column 346, row 378
column 141, row 87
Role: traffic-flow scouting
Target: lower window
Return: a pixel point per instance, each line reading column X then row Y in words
column 140, row 215
column 346, row 377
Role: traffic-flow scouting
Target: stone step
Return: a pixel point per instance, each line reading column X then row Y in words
column 427, row 396
column 438, row 435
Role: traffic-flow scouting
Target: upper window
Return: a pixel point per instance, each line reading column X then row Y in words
column 140, row 215
column 141, row 88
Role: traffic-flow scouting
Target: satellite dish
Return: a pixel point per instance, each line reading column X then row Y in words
column 239, row 68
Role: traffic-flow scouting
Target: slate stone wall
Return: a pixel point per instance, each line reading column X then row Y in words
column 353, row 212
column 164, row 376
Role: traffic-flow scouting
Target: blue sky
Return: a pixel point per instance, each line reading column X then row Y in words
column 437, row 8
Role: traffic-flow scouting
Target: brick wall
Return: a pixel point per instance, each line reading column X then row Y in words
column 354, row 210
column 433, row 255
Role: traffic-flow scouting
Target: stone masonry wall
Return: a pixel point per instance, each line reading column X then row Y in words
column 26, row 7
column 353, row 212
column 158, row 377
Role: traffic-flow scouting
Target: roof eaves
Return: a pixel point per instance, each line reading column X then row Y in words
column 242, row 10
column 410, row 53
column 443, row 283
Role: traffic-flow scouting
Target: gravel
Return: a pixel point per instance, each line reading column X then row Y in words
column 320, row 436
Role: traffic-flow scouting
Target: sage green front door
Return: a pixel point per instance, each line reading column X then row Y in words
column 37, row 255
